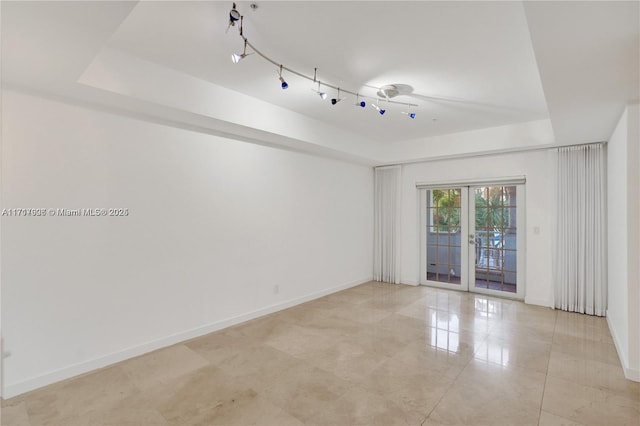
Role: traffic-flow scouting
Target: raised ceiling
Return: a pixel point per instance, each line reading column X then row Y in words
column 470, row 65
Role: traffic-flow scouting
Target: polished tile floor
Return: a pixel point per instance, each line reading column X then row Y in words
column 376, row 354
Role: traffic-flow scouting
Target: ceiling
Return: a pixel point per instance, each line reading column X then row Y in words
column 471, row 65
column 468, row 65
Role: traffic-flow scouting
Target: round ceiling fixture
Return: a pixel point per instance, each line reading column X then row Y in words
column 389, row 91
column 392, row 90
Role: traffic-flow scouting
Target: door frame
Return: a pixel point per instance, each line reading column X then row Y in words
column 464, row 227
column 466, row 188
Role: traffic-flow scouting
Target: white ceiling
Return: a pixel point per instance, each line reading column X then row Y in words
column 472, row 65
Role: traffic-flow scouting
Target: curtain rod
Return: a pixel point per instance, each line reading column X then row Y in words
column 487, row 153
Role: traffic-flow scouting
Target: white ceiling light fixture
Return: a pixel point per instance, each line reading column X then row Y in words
column 234, row 16
column 389, row 91
column 323, row 95
column 237, row 57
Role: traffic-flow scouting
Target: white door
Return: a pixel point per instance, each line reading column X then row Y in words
column 471, row 238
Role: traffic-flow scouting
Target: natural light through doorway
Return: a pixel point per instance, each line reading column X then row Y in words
column 470, row 238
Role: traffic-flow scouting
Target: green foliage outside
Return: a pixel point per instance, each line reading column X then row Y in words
column 446, row 218
column 489, row 212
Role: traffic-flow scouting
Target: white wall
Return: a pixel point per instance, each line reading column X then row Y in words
column 500, row 139
column 214, row 225
column 537, row 166
column 617, row 275
column 623, row 155
column 634, row 247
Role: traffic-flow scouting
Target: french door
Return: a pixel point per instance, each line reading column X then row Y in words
column 472, row 238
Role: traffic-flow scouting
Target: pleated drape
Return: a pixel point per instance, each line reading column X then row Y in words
column 580, row 251
column 387, row 188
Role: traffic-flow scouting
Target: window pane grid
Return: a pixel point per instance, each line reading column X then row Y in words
column 443, row 235
column 496, row 230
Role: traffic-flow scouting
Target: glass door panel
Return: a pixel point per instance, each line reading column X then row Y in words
column 470, row 237
column 494, row 246
column 446, row 224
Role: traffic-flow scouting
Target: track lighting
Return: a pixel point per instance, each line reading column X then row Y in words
column 283, row 83
column 384, row 92
column 337, row 99
column 380, row 110
column 237, row 57
column 408, row 112
column 234, row 15
column 322, row 95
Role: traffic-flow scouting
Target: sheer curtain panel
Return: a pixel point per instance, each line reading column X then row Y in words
column 580, row 258
column 386, row 261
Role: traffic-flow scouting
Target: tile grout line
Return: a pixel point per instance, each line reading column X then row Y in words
column 450, row 386
column 446, row 391
column 546, row 374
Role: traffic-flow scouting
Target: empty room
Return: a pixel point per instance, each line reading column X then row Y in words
column 320, row 213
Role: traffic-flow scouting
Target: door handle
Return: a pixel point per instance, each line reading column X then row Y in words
column 472, row 239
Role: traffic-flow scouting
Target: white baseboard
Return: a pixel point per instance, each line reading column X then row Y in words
column 15, row 389
column 540, row 302
column 629, row 373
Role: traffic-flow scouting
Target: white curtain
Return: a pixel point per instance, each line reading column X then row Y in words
column 580, row 257
column 387, row 188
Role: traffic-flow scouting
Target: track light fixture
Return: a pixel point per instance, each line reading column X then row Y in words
column 408, row 112
column 237, row 57
column 380, row 110
column 386, row 91
column 234, row 15
column 283, row 83
column 323, row 95
column 337, row 99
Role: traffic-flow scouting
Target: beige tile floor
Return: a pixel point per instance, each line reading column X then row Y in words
column 376, row 354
